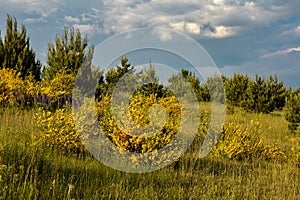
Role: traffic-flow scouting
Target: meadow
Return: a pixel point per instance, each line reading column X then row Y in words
column 30, row 171
column 42, row 156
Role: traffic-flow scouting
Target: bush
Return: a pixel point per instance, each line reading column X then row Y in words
column 127, row 136
column 15, row 91
column 241, row 143
column 58, row 90
column 57, row 130
column 11, row 86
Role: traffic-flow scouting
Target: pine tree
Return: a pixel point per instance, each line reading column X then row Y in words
column 235, row 88
column 194, row 82
column 292, row 114
column 255, row 97
column 67, row 54
column 205, row 96
column 108, row 81
column 186, row 83
column 15, row 51
column 149, row 83
column 215, row 86
column 88, row 76
column 264, row 95
column 148, row 75
column 278, row 92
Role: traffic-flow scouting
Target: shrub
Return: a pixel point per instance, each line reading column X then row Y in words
column 59, row 89
column 126, row 136
column 11, row 86
column 241, row 143
column 57, row 130
column 17, row 91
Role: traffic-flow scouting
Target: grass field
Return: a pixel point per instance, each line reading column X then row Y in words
column 30, row 171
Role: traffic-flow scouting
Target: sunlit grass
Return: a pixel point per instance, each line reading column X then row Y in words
column 40, row 173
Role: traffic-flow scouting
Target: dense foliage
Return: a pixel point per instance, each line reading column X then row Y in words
column 235, row 88
column 127, row 137
column 241, row 143
column 16, row 53
column 57, row 130
column 293, row 111
column 264, row 95
column 66, row 55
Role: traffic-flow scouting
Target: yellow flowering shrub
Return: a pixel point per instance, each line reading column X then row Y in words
column 11, row 84
column 57, row 130
column 58, row 88
column 241, row 143
column 32, row 87
column 127, row 137
column 146, row 124
column 13, row 89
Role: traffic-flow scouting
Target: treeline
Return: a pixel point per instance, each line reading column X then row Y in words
column 26, row 82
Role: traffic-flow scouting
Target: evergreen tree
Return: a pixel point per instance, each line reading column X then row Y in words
column 114, row 74
column 149, row 83
column 186, row 83
column 148, row 75
column 264, row 95
column 215, row 86
column 235, row 88
column 292, row 114
column 108, row 81
column 205, row 93
column 257, row 98
column 15, row 51
column 278, row 92
column 194, row 82
column 88, row 76
column 67, row 54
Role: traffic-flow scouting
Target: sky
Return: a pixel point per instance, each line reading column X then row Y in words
column 254, row 37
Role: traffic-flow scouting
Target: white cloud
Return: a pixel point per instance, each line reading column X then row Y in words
column 24, row 1
column 218, row 2
column 87, row 29
column 72, row 19
column 227, row 17
column 222, row 32
column 33, row 20
column 193, row 28
column 163, row 35
column 44, row 8
column 297, row 30
column 178, row 26
column 281, row 52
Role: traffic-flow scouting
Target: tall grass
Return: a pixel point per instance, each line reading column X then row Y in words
column 37, row 172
